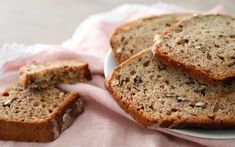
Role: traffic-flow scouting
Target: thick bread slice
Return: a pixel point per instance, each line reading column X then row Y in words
column 54, row 72
column 130, row 38
column 159, row 96
column 203, row 46
column 37, row 115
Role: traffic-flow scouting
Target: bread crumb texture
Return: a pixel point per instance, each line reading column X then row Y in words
column 130, row 38
column 159, row 96
column 203, row 46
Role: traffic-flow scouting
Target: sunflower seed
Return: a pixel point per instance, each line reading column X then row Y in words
column 61, row 94
column 198, row 47
column 7, row 102
column 200, row 104
column 114, row 83
column 157, row 39
column 181, row 98
column 119, row 50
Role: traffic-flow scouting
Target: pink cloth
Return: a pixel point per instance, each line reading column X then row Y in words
column 103, row 123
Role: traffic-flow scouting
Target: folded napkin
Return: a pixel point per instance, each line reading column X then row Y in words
column 103, row 123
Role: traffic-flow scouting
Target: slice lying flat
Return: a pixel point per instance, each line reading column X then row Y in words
column 135, row 36
column 203, row 46
column 156, row 95
column 54, row 72
column 37, row 115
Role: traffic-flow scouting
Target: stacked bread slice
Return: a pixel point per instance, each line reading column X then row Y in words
column 130, row 38
column 155, row 91
column 35, row 109
column 203, row 46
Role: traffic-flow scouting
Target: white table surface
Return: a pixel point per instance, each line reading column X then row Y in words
column 53, row 21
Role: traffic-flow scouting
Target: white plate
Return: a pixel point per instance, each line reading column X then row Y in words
column 110, row 64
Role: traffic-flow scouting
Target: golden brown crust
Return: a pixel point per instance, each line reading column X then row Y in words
column 26, row 131
column 136, row 24
column 195, row 72
column 129, row 108
column 41, row 130
column 145, row 120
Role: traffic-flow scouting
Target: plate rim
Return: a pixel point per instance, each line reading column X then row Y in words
column 106, row 65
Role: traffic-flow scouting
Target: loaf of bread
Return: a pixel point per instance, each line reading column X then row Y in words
column 202, row 46
column 54, row 72
column 156, row 95
column 37, row 115
column 130, row 38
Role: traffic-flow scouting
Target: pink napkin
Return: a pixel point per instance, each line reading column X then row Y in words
column 103, row 123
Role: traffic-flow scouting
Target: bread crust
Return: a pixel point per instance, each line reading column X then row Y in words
column 136, row 24
column 145, row 120
column 42, row 130
column 195, row 72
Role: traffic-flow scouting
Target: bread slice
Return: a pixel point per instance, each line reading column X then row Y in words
column 203, row 46
column 54, row 72
column 156, row 95
column 37, row 115
column 130, row 38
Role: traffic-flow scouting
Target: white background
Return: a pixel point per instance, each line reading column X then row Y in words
column 53, row 21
